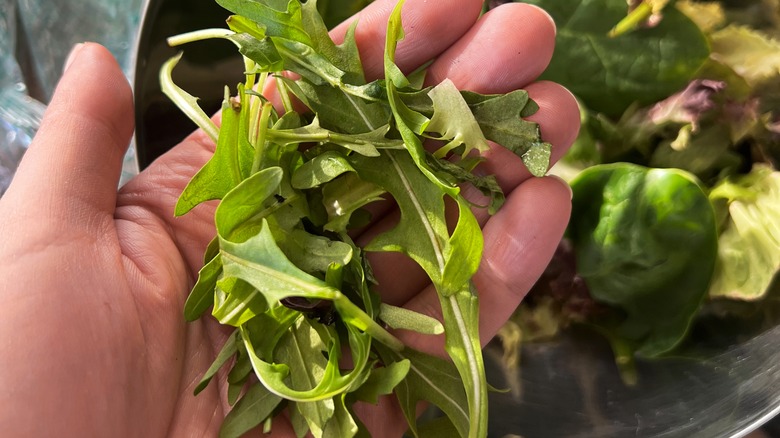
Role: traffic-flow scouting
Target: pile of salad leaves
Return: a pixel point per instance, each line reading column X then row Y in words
column 676, row 208
column 292, row 183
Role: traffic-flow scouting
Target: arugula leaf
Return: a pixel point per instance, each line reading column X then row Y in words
column 340, row 111
column 227, row 351
column 321, row 169
column 487, row 184
column 283, row 268
column 261, row 51
column 226, row 168
column 185, row 101
column 434, row 380
column 202, row 295
column 405, row 319
column 398, row 174
column 463, row 251
column 501, row 119
column 261, row 263
column 236, row 302
column 365, row 143
column 461, row 326
column 274, row 376
column 452, row 118
column 313, row 253
column 253, row 408
column 246, row 200
column 382, row 381
column 286, row 24
column 341, row 424
column 302, row 349
column 344, row 196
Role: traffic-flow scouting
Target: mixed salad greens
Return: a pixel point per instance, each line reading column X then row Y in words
column 283, row 268
column 676, row 208
column 675, row 211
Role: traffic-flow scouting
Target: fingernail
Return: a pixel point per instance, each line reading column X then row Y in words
column 563, row 183
column 74, row 52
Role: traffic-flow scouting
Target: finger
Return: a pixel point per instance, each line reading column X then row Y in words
column 519, row 243
column 72, row 168
column 429, row 29
column 509, row 47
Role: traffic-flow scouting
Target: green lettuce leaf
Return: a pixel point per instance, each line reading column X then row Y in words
column 749, row 243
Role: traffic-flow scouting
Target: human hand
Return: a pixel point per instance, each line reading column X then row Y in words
column 94, row 280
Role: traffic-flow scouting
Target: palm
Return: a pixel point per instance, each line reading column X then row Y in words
column 122, row 264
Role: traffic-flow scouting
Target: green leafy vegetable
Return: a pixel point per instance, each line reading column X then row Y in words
column 749, row 245
column 609, row 74
column 283, row 269
column 708, row 105
column 646, row 247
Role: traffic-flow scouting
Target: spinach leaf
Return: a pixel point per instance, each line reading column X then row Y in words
column 609, row 74
column 645, row 242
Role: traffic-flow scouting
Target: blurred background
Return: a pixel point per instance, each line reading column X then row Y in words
column 35, row 38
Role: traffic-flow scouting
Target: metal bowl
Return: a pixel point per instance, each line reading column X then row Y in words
column 725, row 386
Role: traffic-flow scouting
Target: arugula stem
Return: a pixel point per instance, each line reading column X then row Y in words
column 326, row 136
column 477, row 405
column 262, row 129
column 400, row 318
column 186, row 102
column 632, row 20
column 199, row 35
column 249, row 67
column 284, row 93
column 354, row 315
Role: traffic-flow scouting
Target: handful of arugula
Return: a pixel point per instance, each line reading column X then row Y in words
column 283, row 268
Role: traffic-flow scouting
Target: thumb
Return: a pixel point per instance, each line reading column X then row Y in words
column 71, row 170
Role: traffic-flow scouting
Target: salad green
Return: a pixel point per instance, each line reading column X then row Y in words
column 283, row 269
column 674, row 174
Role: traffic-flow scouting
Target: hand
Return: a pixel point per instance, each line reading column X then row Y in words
column 93, row 281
